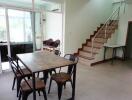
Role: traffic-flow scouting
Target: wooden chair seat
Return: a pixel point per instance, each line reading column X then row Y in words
column 25, row 71
column 61, row 77
column 27, row 88
column 39, row 84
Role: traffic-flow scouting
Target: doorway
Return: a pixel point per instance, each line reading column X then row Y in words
column 17, row 34
column 54, row 27
column 129, row 41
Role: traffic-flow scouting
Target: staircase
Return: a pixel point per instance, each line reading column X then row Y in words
column 91, row 48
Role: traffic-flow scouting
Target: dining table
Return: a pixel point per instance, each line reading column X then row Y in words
column 42, row 61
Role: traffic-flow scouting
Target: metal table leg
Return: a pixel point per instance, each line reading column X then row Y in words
column 45, row 73
column 113, row 55
column 74, row 83
column 123, row 49
column 34, row 92
column 104, row 52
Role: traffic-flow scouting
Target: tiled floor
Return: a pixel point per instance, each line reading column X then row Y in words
column 100, row 82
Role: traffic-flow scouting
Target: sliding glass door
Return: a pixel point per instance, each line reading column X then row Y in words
column 3, row 34
column 20, row 26
column 3, row 37
column 54, row 27
column 17, row 34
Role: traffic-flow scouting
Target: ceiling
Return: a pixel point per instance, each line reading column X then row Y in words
column 127, row 1
column 37, row 2
column 47, row 4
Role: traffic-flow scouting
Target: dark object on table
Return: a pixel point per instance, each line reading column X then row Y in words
column 48, row 42
column 56, row 43
column 57, row 52
column 50, row 45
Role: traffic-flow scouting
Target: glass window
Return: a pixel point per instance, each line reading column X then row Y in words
column 3, row 35
column 20, row 26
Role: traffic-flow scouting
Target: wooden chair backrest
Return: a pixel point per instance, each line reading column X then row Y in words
column 17, row 70
column 73, row 58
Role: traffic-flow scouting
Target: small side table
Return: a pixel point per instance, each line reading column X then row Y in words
column 114, row 47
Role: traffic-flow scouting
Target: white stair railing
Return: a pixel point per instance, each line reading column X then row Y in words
column 114, row 17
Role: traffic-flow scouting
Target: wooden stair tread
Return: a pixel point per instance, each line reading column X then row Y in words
column 88, row 58
column 89, row 51
column 101, row 42
column 93, row 47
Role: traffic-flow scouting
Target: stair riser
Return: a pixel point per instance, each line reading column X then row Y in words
column 100, row 40
column 103, row 36
column 97, row 45
column 89, row 49
column 107, row 32
column 85, row 54
column 110, row 28
column 84, row 61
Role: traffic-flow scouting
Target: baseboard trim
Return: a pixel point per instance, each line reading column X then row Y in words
column 106, row 60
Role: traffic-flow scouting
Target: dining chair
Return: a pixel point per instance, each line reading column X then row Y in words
column 26, row 86
column 17, row 76
column 62, row 77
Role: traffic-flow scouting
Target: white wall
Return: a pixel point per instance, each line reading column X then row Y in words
column 82, row 18
column 53, row 25
column 123, row 24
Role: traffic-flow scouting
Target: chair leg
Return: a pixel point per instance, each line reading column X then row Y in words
column 18, row 86
column 13, row 83
column 50, row 85
column 59, row 90
column 28, row 77
column 54, row 71
column 20, row 96
column 39, row 93
column 44, row 93
column 65, row 85
column 71, row 83
column 25, row 95
column 38, row 74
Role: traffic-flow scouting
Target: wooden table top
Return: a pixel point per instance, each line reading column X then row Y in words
column 42, row 60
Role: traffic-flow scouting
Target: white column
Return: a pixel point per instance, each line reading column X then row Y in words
column 33, row 30
column 33, row 24
column 8, row 32
column 42, row 33
column 63, row 7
